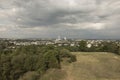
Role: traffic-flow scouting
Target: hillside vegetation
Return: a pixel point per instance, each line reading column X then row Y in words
column 31, row 62
column 89, row 66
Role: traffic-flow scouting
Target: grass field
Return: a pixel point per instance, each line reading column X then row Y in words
column 89, row 66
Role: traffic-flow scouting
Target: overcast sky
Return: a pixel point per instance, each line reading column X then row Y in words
column 49, row 18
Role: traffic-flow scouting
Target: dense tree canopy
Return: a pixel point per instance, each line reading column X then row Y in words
column 31, row 60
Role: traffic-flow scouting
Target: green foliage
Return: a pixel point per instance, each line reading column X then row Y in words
column 5, row 69
column 73, row 58
column 82, row 45
column 27, row 62
column 111, row 46
column 64, row 53
column 51, row 59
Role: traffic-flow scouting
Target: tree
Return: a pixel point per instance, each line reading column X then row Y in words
column 51, row 60
column 118, row 50
column 82, row 45
column 18, row 69
column 5, row 67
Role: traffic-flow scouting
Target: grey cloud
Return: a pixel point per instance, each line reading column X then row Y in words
column 81, row 18
column 40, row 14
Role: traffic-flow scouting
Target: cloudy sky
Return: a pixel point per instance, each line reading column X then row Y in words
column 86, row 19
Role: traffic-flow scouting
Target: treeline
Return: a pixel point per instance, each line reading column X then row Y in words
column 105, row 46
column 31, row 62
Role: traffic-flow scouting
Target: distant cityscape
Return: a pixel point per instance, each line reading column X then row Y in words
column 56, row 42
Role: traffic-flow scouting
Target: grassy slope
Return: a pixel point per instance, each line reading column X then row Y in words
column 90, row 66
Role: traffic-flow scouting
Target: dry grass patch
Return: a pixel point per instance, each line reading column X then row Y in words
column 54, row 74
column 96, row 66
column 89, row 66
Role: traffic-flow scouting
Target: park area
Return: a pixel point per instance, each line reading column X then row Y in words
column 89, row 66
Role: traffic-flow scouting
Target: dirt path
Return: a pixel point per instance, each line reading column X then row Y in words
column 68, row 69
column 69, row 73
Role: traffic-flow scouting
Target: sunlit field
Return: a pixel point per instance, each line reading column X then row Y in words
column 89, row 66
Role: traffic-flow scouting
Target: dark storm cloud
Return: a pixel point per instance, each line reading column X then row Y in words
column 73, row 18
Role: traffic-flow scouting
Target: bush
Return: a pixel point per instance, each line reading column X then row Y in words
column 64, row 53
